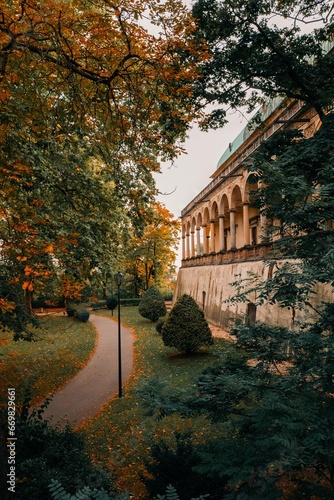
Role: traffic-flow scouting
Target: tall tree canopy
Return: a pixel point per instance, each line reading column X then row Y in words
column 261, row 49
column 151, row 254
column 93, row 95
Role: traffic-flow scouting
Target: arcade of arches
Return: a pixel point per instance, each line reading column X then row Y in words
column 226, row 222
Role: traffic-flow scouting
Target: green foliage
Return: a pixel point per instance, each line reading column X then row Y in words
column 186, row 328
column 178, row 464
column 134, row 301
column 82, row 315
column 159, row 324
column 45, row 453
column 100, row 304
column 58, row 492
column 260, row 49
column 172, row 494
column 152, row 304
column 111, row 303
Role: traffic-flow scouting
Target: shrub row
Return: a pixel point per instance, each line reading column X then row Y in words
column 80, row 313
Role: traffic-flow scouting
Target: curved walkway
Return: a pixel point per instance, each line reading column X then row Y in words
column 81, row 398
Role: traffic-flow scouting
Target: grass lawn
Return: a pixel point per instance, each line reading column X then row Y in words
column 120, row 436
column 63, row 346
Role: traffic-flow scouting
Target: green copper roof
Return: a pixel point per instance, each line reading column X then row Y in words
column 271, row 106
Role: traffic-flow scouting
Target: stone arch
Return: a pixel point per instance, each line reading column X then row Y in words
column 224, row 205
column 214, row 228
column 224, row 223
column 188, row 249
column 192, row 231
column 183, row 235
column 236, row 219
column 199, row 246
column 252, row 218
column 206, row 230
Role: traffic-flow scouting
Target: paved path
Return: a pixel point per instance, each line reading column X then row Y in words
column 82, row 397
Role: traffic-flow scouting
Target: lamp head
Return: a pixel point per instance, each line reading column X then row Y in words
column 118, row 278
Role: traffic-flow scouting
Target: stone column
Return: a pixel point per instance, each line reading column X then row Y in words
column 183, row 247
column 188, row 245
column 192, row 246
column 221, row 234
column 232, row 228
column 245, row 209
column 205, row 240
column 198, row 240
column 212, row 236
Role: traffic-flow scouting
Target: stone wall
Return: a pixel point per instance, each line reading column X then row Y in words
column 211, row 287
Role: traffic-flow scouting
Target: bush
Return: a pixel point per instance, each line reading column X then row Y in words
column 186, row 327
column 100, row 304
column 70, row 311
column 135, row 301
column 111, row 303
column 159, row 325
column 45, row 453
column 83, row 315
column 177, row 465
column 152, row 304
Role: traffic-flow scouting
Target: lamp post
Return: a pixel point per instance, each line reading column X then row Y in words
column 118, row 280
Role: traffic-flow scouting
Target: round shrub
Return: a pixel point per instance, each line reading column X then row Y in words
column 83, row 315
column 152, row 304
column 70, row 311
column 111, row 303
column 186, row 328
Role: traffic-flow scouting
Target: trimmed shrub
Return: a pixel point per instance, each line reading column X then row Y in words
column 186, row 328
column 130, row 302
column 71, row 311
column 83, row 315
column 100, row 304
column 152, row 304
column 111, row 303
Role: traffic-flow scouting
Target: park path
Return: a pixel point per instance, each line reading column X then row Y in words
column 81, row 398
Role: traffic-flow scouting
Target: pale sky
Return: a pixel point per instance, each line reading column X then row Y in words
column 191, row 172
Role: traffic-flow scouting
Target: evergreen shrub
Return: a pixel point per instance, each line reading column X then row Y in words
column 82, row 315
column 186, row 328
column 159, row 324
column 152, row 304
column 111, row 303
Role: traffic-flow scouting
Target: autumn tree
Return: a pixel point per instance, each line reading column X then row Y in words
column 151, row 252
column 92, row 96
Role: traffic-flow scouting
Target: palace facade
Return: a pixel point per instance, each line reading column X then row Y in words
column 223, row 236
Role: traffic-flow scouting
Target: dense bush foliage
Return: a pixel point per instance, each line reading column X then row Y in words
column 45, row 453
column 159, row 324
column 132, row 301
column 82, row 315
column 111, row 303
column 100, row 304
column 177, row 465
column 186, row 328
column 152, row 304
